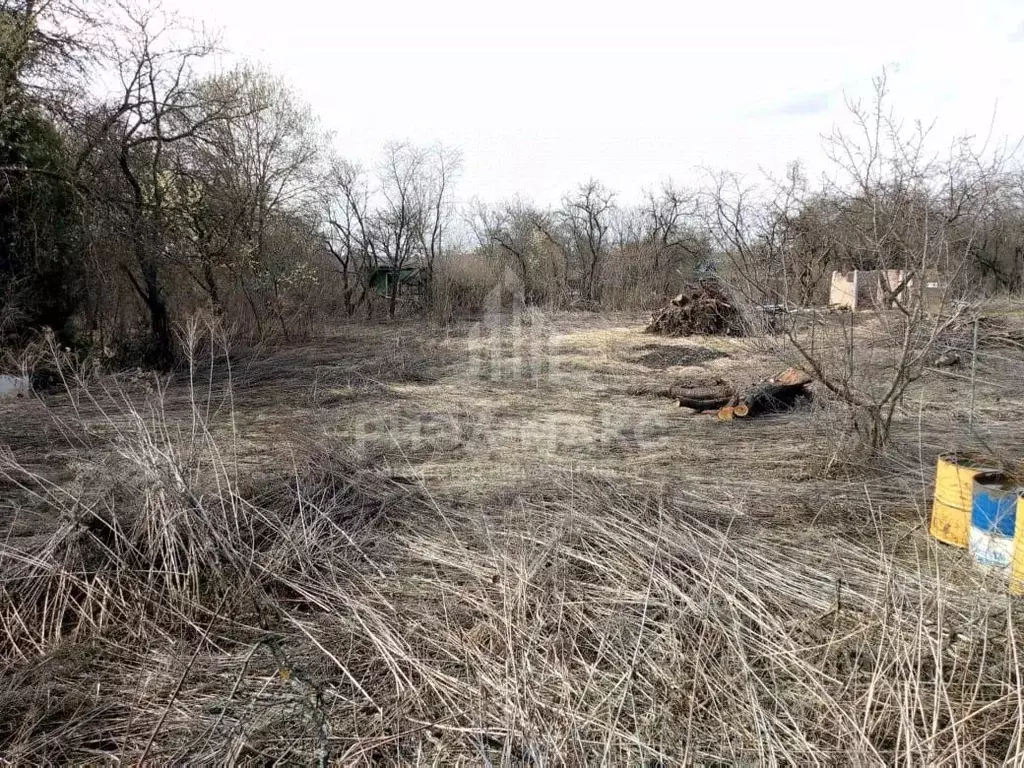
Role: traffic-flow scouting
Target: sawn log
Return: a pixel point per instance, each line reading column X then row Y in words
column 779, row 393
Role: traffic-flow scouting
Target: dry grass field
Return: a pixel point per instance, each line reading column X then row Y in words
column 399, row 544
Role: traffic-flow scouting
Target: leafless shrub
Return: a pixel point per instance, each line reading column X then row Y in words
column 462, row 283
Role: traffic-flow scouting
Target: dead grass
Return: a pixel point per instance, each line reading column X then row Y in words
column 375, row 548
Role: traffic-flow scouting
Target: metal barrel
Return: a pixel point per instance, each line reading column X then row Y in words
column 993, row 520
column 954, row 486
column 1017, row 568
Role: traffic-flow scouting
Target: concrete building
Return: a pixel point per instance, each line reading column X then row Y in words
column 868, row 288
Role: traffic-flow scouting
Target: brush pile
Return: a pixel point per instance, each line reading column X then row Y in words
column 991, row 331
column 703, row 308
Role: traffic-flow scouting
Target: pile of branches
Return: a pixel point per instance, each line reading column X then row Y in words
column 991, row 330
column 968, row 332
column 703, row 308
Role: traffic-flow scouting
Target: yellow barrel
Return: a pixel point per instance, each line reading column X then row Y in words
column 951, row 510
column 1017, row 566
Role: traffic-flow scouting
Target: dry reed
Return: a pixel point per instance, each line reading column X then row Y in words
column 341, row 608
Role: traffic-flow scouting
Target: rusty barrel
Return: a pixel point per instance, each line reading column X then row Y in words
column 954, row 487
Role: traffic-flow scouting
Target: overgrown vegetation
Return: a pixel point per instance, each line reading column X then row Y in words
column 439, row 588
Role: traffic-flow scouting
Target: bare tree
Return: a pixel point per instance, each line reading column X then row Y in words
column 262, row 164
column 435, row 190
column 400, row 222
column 43, row 43
column 397, row 224
column 159, row 107
column 349, row 236
column 747, row 225
column 518, row 234
column 587, row 218
column 669, row 229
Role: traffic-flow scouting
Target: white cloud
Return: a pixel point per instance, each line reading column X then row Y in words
column 814, row 103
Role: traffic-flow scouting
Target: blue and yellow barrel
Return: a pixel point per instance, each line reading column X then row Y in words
column 993, row 520
column 954, row 487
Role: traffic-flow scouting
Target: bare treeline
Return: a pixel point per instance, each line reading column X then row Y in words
column 138, row 189
column 591, row 251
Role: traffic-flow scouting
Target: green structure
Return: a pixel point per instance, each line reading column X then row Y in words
column 409, row 279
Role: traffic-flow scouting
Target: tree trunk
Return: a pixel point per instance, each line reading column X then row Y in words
column 591, row 275
column 160, row 325
column 211, row 288
column 702, row 404
column 393, row 294
column 252, row 308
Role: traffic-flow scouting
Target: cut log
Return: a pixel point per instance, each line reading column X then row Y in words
column 700, row 394
column 700, row 405
column 722, row 392
column 771, row 397
column 779, row 393
column 792, row 376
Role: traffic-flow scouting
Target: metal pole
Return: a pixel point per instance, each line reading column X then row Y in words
column 974, row 372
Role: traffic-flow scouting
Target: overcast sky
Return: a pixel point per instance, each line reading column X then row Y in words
column 540, row 95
